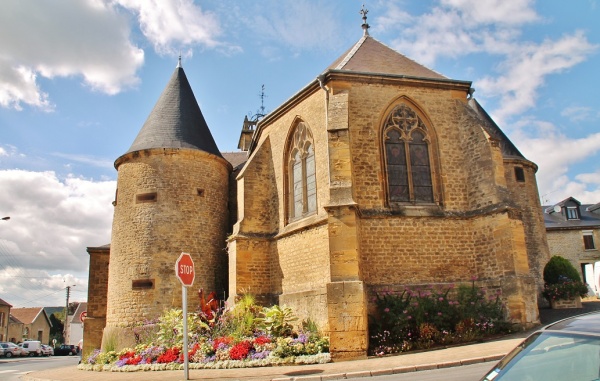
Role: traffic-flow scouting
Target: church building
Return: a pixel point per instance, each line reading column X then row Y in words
column 380, row 174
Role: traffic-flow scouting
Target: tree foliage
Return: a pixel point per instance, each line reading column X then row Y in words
column 560, row 270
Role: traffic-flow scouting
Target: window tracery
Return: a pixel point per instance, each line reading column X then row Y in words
column 302, row 191
column 407, row 157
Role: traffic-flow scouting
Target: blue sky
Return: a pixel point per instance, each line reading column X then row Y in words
column 79, row 77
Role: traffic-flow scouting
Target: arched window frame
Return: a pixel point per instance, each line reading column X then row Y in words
column 406, row 122
column 301, row 173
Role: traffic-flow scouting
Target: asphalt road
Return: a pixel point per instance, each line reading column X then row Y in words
column 12, row 369
column 460, row 373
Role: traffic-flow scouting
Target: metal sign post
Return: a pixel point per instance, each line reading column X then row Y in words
column 184, row 269
column 186, row 364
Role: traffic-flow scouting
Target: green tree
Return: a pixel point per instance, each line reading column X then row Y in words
column 56, row 331
column 559, row 270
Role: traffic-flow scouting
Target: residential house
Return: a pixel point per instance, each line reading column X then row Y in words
column 4, row 315
column 573, row 231
column 15, row 330
column 75, row 329
column 36, row 324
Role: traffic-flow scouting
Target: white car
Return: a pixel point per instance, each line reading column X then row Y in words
column 8, row 349
column 34, row 347
column 47, row 350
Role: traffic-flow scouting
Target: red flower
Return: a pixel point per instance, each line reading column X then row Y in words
column 262, row 340
column 221, row 340
column 134, row 360
column 240, row 350
column 171, row 355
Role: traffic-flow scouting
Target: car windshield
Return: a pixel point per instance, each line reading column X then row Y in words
column 551, row 356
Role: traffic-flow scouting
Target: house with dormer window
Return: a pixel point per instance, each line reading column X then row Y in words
column 573, row 231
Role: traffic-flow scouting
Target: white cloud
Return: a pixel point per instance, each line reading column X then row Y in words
column 52, row 222
column 578, row 113
column 525, row 69
column 61, row 39
column 558, row 158
column 172, row 25
column 513, row 12
column 295, row 26
column 18, row 84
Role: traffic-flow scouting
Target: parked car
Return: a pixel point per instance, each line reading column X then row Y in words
column 65, row 350
column 34, row 347
column 8, row 349
column 24, row 351
column 566, row 350
column 47, row 350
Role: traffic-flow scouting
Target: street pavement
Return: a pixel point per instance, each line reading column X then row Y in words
column 487, row 351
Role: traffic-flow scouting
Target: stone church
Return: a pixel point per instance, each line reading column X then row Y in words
column 380, row 174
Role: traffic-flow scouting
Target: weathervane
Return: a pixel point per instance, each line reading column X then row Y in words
column 365, row 26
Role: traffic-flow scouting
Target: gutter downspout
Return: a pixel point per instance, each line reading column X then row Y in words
column 321, row 79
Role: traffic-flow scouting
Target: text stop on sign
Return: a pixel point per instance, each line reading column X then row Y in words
column 184, row 269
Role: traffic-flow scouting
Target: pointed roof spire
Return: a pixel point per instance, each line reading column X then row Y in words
column 365, row 26
column 176, row 120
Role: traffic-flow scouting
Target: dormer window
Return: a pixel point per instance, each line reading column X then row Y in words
column 572, row 213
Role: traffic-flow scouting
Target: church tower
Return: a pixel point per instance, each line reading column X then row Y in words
column 172, row 197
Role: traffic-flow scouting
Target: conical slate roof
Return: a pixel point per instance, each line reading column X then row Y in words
column 176, row 120
column 371, row 56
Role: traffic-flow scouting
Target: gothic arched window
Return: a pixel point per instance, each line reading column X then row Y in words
column 302, row 192
column 407, row 160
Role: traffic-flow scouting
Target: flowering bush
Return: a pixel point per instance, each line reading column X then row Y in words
column 565, row 290
column 562, row 280
column 422, row 318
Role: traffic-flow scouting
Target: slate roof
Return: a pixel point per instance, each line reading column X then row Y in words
column 176, row 120
column 371, row 56
column 589, row 216
column 80, row 308
column 507, row 147
column 235, row 158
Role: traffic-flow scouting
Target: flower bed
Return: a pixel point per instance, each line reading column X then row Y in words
column 245, row 336
column 432, row 317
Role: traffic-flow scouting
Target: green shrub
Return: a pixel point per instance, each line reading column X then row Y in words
column 559, row 270
column 421, row 318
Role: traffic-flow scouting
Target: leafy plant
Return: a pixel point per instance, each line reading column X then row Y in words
column 430, row 316
column 562, row 280
column 170, row 327
column 565, row 290
column 559, row 269
column 277, row 321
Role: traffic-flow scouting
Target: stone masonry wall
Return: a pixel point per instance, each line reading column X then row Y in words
column 569, row 244
column 189, row 214
column 97, row 291
column 369, row 107
column 525, row 195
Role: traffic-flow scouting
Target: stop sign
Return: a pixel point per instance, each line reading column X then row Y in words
column 184, row 269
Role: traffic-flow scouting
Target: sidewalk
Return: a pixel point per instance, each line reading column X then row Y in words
column 490, row 351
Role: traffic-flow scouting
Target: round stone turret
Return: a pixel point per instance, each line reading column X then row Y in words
column 172, row 195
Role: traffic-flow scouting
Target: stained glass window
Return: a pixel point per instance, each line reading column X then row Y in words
column 302, row 174
column 407, row 150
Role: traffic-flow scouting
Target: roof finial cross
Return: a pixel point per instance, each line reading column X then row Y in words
column 179, row 61
column 365, row 26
